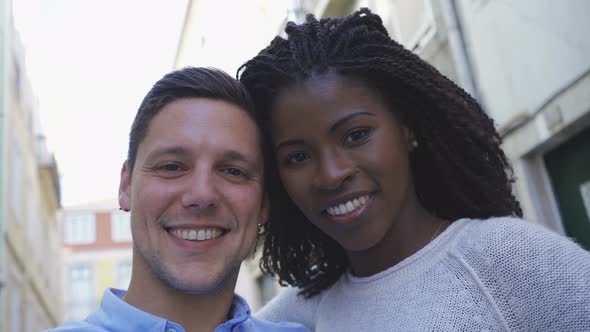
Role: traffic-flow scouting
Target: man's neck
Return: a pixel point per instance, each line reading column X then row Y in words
column 194, row 312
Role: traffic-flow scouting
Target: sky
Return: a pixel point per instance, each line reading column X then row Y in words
column 90, row 64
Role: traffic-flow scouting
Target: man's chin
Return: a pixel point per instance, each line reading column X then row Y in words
column 198, row 288
column 191, row 278
column 201, row 286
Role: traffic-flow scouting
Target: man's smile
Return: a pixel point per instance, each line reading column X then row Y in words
column 194, row 234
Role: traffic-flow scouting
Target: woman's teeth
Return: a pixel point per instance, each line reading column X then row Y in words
column 349, row 206
column 196, row 235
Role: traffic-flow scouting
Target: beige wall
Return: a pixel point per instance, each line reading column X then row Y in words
column 31, row 242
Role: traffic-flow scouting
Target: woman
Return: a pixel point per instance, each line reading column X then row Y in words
column 391, row 201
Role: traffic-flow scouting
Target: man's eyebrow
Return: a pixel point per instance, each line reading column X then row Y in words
column 238, row 156
column 172, row 150
column 348, row 117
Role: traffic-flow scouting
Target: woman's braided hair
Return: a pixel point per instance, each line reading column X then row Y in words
column 459, row 169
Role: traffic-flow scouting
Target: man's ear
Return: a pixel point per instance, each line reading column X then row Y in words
column 125, row 187
column 264, row 210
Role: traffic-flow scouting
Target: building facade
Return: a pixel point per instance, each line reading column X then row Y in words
column 97, row 248
column 531, row 62
column 224, row 33
column 30, row 245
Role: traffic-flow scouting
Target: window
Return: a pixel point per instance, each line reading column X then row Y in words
column 17, row 78
column 16, row 190
column 123, row 275
column 34, row 318
column 80, row 229
column 585, row 192
column 37, row 236
column 16, row 300
column 80, row 290
column 15, row 308
column 121, row 227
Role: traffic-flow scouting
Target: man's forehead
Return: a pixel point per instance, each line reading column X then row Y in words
column 197, row 124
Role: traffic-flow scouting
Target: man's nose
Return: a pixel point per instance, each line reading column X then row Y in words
column 201, row 191
column 333, row 171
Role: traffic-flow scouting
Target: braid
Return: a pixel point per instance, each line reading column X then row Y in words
column 459, row 170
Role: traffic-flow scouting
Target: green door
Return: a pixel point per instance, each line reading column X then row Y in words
column 569, row 170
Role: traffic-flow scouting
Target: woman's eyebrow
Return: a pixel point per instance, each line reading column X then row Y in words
column 288, row 143
column 348, row 117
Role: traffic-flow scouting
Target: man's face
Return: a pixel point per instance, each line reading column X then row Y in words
column 195, row 195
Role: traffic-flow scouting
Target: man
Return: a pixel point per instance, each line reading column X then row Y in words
column 193, row 182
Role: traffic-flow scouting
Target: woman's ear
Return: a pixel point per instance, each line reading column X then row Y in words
column 410, row 139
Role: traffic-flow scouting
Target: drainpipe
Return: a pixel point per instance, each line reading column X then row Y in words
column 4, row 30
column 458, row 47
column 295, row 13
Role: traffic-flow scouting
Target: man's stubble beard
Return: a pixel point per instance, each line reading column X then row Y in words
column 161, row 273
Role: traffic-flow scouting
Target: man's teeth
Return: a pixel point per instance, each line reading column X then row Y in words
column 348, row 207
column 198, row 235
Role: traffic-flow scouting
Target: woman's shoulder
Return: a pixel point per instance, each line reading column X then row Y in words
column 514, row 242
column 512, row 235
column 291, row 306
column 529, row 271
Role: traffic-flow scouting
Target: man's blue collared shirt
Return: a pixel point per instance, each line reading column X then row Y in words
column 116, row 315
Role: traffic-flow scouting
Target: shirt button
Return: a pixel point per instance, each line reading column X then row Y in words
column 171, row 330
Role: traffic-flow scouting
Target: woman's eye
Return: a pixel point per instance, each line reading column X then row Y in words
column 296, row 158
column 357, row 136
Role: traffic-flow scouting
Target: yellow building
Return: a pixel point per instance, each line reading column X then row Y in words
column 97, row 254
column 30, row 252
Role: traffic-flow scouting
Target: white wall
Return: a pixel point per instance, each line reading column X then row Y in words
column 226, row 33
column 525, row 51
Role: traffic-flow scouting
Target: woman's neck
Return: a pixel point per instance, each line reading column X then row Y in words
column 412, row 230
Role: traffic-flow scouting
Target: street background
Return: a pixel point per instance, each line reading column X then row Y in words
column 73, row 73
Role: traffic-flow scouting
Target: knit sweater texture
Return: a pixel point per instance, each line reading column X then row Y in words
column 499, row 274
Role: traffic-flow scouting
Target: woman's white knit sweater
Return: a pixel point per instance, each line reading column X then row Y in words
column 500, row 274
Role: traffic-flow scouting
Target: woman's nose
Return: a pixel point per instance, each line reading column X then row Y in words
column 332, row 172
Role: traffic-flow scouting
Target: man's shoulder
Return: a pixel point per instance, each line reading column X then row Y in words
column 77, row 326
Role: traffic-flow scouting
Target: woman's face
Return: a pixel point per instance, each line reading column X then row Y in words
column 343, row 159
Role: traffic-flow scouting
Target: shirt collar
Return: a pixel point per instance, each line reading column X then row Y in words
column 240, row 312
column 117, row 315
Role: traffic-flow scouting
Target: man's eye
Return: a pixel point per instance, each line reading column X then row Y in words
column 296, row 158
column 357, row 136
column 170, row 167
column 233, row 171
